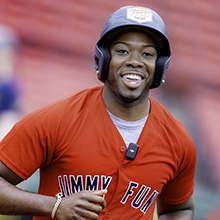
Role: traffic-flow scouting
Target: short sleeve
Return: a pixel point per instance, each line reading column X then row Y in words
column 29, row 145
column 181, row 187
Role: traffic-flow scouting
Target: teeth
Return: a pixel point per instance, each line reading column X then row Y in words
column 131, row 76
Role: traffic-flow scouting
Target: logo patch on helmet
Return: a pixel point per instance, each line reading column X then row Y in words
column 139, row 15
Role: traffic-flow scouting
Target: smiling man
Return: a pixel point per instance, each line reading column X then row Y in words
column 131, row 73
column 109, row 151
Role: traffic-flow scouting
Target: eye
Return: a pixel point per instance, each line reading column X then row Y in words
column 122, row 51
column 148, row 54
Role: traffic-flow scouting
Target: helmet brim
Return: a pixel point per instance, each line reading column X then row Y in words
column 160, row 41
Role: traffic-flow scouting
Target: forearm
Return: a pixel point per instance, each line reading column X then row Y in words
column 182, row 211
column 177, row 215
column 15, row 201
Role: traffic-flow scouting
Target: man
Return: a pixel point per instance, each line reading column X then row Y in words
column 111, row 151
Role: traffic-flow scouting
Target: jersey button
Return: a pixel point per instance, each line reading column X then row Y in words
column 122, row 167
column 122, row 149
column 108, row 215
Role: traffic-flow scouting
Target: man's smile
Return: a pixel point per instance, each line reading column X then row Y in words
column 132, row 80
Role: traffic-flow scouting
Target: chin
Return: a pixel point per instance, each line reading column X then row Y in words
column 131, row 98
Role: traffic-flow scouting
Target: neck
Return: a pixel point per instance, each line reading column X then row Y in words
column 129, row 111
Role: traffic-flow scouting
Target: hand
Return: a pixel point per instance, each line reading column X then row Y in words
column 82, row 205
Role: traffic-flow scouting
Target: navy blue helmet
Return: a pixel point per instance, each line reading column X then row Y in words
column 127, row 18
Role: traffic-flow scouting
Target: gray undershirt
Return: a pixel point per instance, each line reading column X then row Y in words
column 129, row 130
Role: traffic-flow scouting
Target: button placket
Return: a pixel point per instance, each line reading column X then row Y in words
column 108, row 215
column 122, row 167
column 122, row 149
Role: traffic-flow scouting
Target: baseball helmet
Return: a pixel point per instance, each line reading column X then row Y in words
column 127, row 18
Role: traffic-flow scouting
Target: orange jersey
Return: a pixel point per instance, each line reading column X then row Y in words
column 77, row 147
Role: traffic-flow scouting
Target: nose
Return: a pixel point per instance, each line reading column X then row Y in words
column 134, row 60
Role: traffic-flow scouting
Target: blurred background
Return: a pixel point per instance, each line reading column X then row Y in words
column 46, row 53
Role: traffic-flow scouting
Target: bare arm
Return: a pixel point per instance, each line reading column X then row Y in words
column 183, row 211
column 18, row 202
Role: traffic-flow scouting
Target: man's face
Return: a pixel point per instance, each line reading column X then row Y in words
column 132, row 65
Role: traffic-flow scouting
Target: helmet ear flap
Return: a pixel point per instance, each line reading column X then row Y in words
column 162, row 64
column 102, row 60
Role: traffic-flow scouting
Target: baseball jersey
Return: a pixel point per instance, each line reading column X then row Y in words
column 77, row 147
